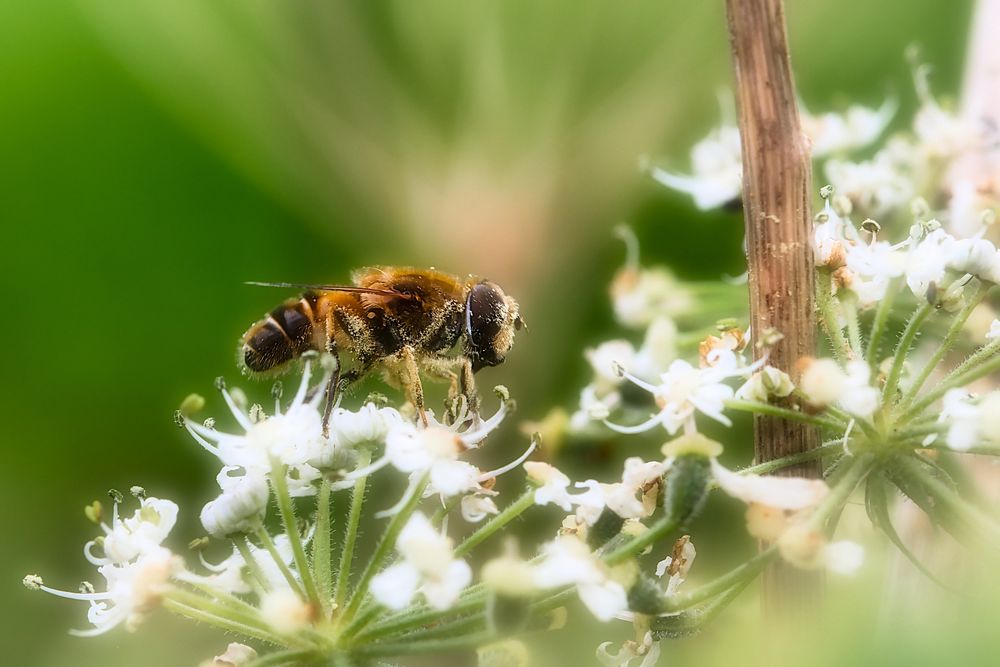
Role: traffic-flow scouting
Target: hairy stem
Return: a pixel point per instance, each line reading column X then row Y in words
column 351, row 532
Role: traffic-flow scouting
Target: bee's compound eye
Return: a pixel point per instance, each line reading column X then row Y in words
column 486, row 311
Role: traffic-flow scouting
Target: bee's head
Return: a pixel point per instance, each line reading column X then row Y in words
column 491, row 318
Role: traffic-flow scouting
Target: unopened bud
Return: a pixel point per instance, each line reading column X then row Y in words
column 192, row 404
column 94, row 511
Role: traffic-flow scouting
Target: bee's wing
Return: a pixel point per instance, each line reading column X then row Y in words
column 334, row 288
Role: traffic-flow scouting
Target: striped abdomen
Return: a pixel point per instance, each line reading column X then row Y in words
column 283, row 335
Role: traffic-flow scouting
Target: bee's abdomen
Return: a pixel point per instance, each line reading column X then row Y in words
column 283, row 335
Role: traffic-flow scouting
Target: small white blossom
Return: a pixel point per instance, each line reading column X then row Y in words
column 826, row 383
column 857, row 127
column 808, row 548
column 241, row 506
column 640, row 296
column 646, row 652
column 283, row 610
column 428, row 564
column 684, row 390
column 927, row 262
column 716, row 170
column 567, row 560
column 679, row 574
column 477, row 507
column 994, row 331
column 788, row 493
column 765, row 384
column 553, row 487
column 143, row 532
column 235, row 655
column 133, row 589
column 293, row 437
column 230, row 575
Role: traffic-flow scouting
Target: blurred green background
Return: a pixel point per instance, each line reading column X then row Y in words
column 155, row 155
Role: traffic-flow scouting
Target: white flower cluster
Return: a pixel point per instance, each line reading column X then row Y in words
column 776, row 507
column 136, row 568
column 716, row 175
column 933, row 262
column 292, row 439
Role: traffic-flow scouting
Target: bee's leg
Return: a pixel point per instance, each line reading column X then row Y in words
column 411, row 381
column 333, row 387
column 469, row 389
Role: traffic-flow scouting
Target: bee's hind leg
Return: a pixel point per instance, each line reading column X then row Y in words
column 333, row 387
column 412, row 384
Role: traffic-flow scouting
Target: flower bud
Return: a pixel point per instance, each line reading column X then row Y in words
column 823, row 381
column 687, row 483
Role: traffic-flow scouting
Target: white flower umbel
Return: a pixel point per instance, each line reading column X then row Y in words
column 428, row 565
column 567, row 560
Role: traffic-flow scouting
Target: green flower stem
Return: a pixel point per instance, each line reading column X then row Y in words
column 880, row 325
column 775, row 411
column 251, row 562
column 983, row 525
column 351, row 533
column 902, row 349
column 965, row 373
column 206, row 604
column 411, row 648
column 853, row 327
column 360, row 621
column 445, row 509
column 786, row 461
column 290, row 657
column 287, row 511
column 321, row 558
column 268, row 544
column 385, row 547
column 509, row 513
column 691, row 620
column 225, row 623
column 849, row 475
column 825, row 301
column 231, row 601
column 660, row 529
column 419, row 617
column 954, row 331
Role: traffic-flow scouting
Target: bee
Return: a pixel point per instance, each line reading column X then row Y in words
column 400, row 321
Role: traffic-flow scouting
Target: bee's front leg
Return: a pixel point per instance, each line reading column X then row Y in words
column 468, row 383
